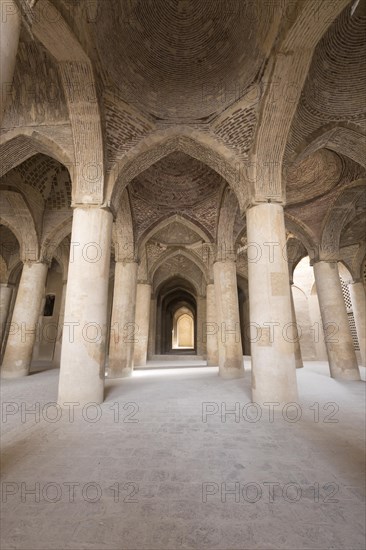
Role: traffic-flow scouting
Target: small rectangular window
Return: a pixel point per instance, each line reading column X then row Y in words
column 49, row 305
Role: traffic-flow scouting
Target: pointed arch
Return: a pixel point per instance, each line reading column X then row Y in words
column 77, row 75
column 286, row 72
column 198, row 145
column 187, row 278
column 340, row 139
column 165, row 222
column 122, row 233
column 20, row 144
column 338, row 215
column 303, row 233
column 170, row 254
column 54, row 238
column 227, row 215
column 16, row 215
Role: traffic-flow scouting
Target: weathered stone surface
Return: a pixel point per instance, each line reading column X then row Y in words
column 175, row 134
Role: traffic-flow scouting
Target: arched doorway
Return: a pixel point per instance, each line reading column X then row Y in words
column 176, row 319
column 183, row 329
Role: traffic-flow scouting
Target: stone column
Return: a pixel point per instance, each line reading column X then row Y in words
column 58, row 345
column 38, row 341
column 152, row 329
column 357, row 294
column 24, row 323
column 158, row 328
column 246, row 322
column 123, row 333
column 5, row 299
column 231, row 363
column 211, row 327
column 9, row 39
column 296, row 334
column 338, row 339
column 9, row 318
column 143, row 299
column 201, row 321
column 316, row 329
column 273, row 360
column 85, row 325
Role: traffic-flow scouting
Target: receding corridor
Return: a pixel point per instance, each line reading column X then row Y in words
column 183, row 274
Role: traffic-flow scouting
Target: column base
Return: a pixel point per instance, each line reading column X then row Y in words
column 79, row 399
column 124, row 373
column 141, row 363
column 346, row 375
column 232, row 373
column 5, row 373
column 264, row 398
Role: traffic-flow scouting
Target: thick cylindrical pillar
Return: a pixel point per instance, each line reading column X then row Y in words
column 123, row 330
column 24, row 322
column 152, row 329
column 201, row 321
column 5, row 299
column 38, row 340
column 338, row 339
column 246, row 327
column 316, row 324
column 142, row 318
column 272, row 349
column 85, row 323
column 58, row 344
column 296, row 334
column 211, row 328
column 358, row 300
column 9, row 39
column 231, row 363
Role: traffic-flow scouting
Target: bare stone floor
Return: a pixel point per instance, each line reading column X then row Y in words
column 146, row 470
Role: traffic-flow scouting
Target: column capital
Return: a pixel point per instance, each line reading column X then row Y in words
column 225, row 261
column 123, row 248
column 92, row 206
column 120, row 260
column 125, row 256
column 325, row 252
column 45, row 261
column 253, row 203
column 318, row 260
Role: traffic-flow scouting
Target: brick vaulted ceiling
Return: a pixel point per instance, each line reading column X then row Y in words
column 182, row 59
column 163, row 65
column 176, row 184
